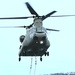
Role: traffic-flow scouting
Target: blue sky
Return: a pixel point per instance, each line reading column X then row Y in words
column 62, row 50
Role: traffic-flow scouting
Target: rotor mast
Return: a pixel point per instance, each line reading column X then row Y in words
column 38, row 24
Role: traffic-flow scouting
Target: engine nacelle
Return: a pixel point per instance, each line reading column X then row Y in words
column 21, row 38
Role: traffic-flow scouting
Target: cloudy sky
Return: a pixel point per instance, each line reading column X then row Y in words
column 62, row 50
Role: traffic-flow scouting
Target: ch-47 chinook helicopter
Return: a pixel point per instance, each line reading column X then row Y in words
column 35, row 42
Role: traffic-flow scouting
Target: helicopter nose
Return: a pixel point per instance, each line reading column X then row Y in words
column 40, row 36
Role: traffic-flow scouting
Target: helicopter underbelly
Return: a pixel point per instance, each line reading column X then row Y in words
column 36, row 49
column 34, row 52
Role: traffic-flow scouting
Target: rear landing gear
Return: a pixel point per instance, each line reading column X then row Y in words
column 20, row 47
column 47, row 53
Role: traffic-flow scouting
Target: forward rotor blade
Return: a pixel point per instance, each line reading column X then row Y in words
column 62, row 16
column 12, row 26
column 32, row 11
column 48, row 15
column 17, row 26
column 16, row 17
column 52, row 29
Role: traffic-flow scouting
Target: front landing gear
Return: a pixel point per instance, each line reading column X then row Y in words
column 19, row 58
column 41, row 58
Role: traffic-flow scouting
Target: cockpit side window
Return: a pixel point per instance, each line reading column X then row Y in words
column 32, row 32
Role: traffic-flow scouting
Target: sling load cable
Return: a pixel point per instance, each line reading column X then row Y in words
column 35, row 65
column 30, row 66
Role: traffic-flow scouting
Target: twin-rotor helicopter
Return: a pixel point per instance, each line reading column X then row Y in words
column 35, row 42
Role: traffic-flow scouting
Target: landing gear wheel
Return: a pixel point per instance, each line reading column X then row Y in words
column 19, row 58
column 20, row 47
column 47, row 53
column 40, row 58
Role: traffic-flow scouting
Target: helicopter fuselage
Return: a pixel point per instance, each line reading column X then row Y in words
column 36, row 46
column 35, row 42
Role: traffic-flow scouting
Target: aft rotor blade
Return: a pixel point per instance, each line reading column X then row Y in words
column 48, row 15
column 52, row 29
column 62, row 16
column 16, row 17
column 32, row 11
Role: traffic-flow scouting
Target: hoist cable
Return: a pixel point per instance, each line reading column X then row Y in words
column 30, row 66
column 35, row 65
